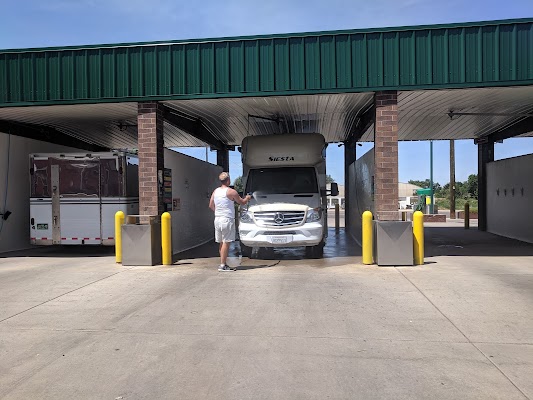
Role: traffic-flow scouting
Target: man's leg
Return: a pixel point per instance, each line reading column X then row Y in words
column 224, row 251
column 219, row 238
column 228, row 235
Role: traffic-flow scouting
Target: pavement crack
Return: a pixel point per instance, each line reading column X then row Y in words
column 462, row 333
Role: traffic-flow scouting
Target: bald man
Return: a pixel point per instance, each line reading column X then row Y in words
column 221, row 203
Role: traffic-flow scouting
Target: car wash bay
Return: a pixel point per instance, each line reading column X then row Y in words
column 281, row 327
column 465, row 81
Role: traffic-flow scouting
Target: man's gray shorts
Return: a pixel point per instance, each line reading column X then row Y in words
column 224, row 229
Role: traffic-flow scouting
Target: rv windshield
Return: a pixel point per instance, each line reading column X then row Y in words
column 290, row 180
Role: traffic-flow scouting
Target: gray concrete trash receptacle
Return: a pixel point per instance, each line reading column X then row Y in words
column 393, row 243
column 141, row 240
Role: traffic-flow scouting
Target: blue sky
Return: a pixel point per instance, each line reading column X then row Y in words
column 32, row 23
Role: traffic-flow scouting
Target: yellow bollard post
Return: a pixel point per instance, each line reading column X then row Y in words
column 467, row 215
column 367, row 239
column 119, row 221
column 337, row 218
column 418, row 237
column 166, row 239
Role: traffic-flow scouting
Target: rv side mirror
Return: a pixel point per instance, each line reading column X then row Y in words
column 334, row 189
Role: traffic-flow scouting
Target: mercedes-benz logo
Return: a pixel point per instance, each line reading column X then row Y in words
column 279, row 218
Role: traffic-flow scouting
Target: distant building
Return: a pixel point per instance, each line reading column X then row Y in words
column 407, row 189
column 407, row 196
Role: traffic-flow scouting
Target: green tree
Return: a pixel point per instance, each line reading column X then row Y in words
column 238, row 184
column 422, row 184
column 471, row 186
column 466, row 190
column 329, row 179
column 437, row 189
column 444, row 193
column 460, row 190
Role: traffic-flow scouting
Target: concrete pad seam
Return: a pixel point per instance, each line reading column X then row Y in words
column 365, row 339
column 462, row 333
column 242, row 335
column 499, row 369
column 64, row 294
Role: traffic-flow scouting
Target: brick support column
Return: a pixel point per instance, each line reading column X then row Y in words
column 485, row 155
column 386, row 156
column 223, row 159
column 151, row 159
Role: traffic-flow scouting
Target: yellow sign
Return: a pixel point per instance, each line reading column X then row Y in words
column 428, row 200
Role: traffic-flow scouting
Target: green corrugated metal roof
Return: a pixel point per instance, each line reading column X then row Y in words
column 493, row 53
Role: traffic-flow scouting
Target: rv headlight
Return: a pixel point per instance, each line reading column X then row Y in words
column 314, row 214
column 246, row 217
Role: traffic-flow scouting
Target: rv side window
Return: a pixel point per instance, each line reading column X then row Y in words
column 40, row 179
column 290, row 180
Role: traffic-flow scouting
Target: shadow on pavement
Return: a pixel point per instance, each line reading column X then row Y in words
column 457, row 241
column 62, row 252
column 249, row 267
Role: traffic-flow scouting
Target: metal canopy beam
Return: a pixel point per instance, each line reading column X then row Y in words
column 192, row 126
column 521, row 127
column 46, row 134
column 361, row 125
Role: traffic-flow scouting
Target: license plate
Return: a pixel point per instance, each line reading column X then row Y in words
column 280, row 239
column 42, row 226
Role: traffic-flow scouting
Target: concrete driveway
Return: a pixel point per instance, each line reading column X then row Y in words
column 79, row 326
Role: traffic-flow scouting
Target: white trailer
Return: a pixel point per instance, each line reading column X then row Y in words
column 287, row 176
column 74, row 196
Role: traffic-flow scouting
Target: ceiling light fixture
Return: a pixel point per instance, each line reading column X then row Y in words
column 122, row 126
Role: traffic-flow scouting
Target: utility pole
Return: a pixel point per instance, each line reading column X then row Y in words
column 431, row 206
column 452, row 179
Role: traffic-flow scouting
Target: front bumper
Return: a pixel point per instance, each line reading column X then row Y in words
column 308, row 234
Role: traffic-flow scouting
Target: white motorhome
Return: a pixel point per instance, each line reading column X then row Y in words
column 74, row 197
column 286, row 175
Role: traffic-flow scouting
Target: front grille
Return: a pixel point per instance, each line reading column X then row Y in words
column 274, row 233
column 279, row 218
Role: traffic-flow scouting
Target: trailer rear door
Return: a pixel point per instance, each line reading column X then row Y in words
column 80, row 201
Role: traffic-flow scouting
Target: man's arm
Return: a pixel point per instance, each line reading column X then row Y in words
column 233, row 195
column 212, row 202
